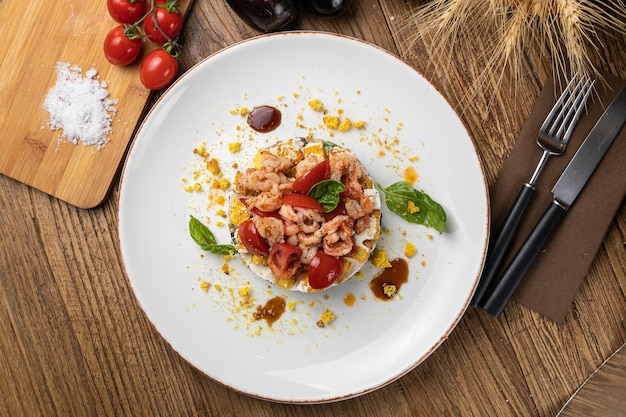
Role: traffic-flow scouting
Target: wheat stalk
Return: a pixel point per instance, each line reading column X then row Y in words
column 503, row 30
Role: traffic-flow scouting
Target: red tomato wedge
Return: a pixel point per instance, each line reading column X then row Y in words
column 303, row 201
column 319, row 172
column 252, row 240
column 284, row 260
column 324, row 270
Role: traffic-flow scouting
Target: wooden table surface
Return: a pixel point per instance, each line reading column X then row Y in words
column 76, row 343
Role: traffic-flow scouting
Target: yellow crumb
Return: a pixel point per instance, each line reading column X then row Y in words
column 213, row 166
column 409, row 249
column 326, row 318
column 226, row 269
column 316, row 105
column 201, row 150
column 219, row 224
column 197, row 186
column 331, row 122
column 423, row 263
column 389, row 290
column 410, row 175
column 204, row 286
column 413, row 208
column 221, row 213
column 380, row 259
column 188, row 188
column 359, row 124
column 234, row 147
column 345, row 125
column 414, row 158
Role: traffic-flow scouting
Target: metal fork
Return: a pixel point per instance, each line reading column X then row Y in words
column 553, row 136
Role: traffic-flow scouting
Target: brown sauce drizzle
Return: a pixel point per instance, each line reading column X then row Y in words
column 271, row 311
column 264, row 118
column 398, row 274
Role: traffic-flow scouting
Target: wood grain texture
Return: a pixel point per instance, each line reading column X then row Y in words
column 38, row 35
column 75, row 341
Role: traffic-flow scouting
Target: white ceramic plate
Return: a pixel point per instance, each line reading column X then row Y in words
column 370, row 343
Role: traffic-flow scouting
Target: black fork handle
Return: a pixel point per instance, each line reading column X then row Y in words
column 502, row 242
column 523, row 261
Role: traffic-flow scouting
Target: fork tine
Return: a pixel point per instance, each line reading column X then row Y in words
column 570, row 108
column 556, row 109
column 578, row 107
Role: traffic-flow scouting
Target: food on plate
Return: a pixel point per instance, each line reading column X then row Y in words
column 305, row 214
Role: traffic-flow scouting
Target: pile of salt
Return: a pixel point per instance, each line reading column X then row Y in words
column 80, row 106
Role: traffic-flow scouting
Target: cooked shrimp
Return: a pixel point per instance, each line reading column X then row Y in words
column 274, row 162
column 308, row 219
column 270, row 228
column 288, row 212
column 309, row 239
column 338, row 236
column 344, row 167
column 308, row 163
column 254, row 180
column 308, row 254
column 266, row 201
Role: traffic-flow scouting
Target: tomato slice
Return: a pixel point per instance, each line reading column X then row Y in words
column 324, row 270
column 303, row 201
column 284, row 260
column 319, row 172
column 252, row 240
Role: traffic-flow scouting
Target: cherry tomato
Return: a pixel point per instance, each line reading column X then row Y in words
column 252, row 240
column 284, row 260
column 319, row 172
column 303, row 201
column 324, row 270
column 119, row 49
column 170, row 22
column 158, row 69
column 126, row 11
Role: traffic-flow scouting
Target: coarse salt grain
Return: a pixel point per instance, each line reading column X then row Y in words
column 80, row 106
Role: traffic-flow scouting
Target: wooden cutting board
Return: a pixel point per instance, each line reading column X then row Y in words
column 37, row 34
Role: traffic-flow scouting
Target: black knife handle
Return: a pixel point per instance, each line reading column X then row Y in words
column 502, row 242
column 525, row 258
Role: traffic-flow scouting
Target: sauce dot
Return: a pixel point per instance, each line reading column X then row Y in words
column 264, row 118
column 349, row 299
column 386, row 284
column 271, row 311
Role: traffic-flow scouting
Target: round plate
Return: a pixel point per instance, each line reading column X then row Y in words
column 407, row 125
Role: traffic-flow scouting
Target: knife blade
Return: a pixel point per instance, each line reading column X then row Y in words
column 567, row 188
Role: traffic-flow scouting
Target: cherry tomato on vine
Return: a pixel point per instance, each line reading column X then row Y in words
column 126, row 11
column 158, row 69
column 119, row 48
column 324, row 270
column 168, row 20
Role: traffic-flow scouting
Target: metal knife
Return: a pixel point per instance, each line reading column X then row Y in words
column 565, row 191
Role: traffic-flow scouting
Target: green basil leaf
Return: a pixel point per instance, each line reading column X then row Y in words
column 327, row 193
column 222, row 249
column 329, row 144
column 205, row 239
column 414, row 206
column 200, row 233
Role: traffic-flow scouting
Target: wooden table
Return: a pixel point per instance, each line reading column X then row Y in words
column 75, row 341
